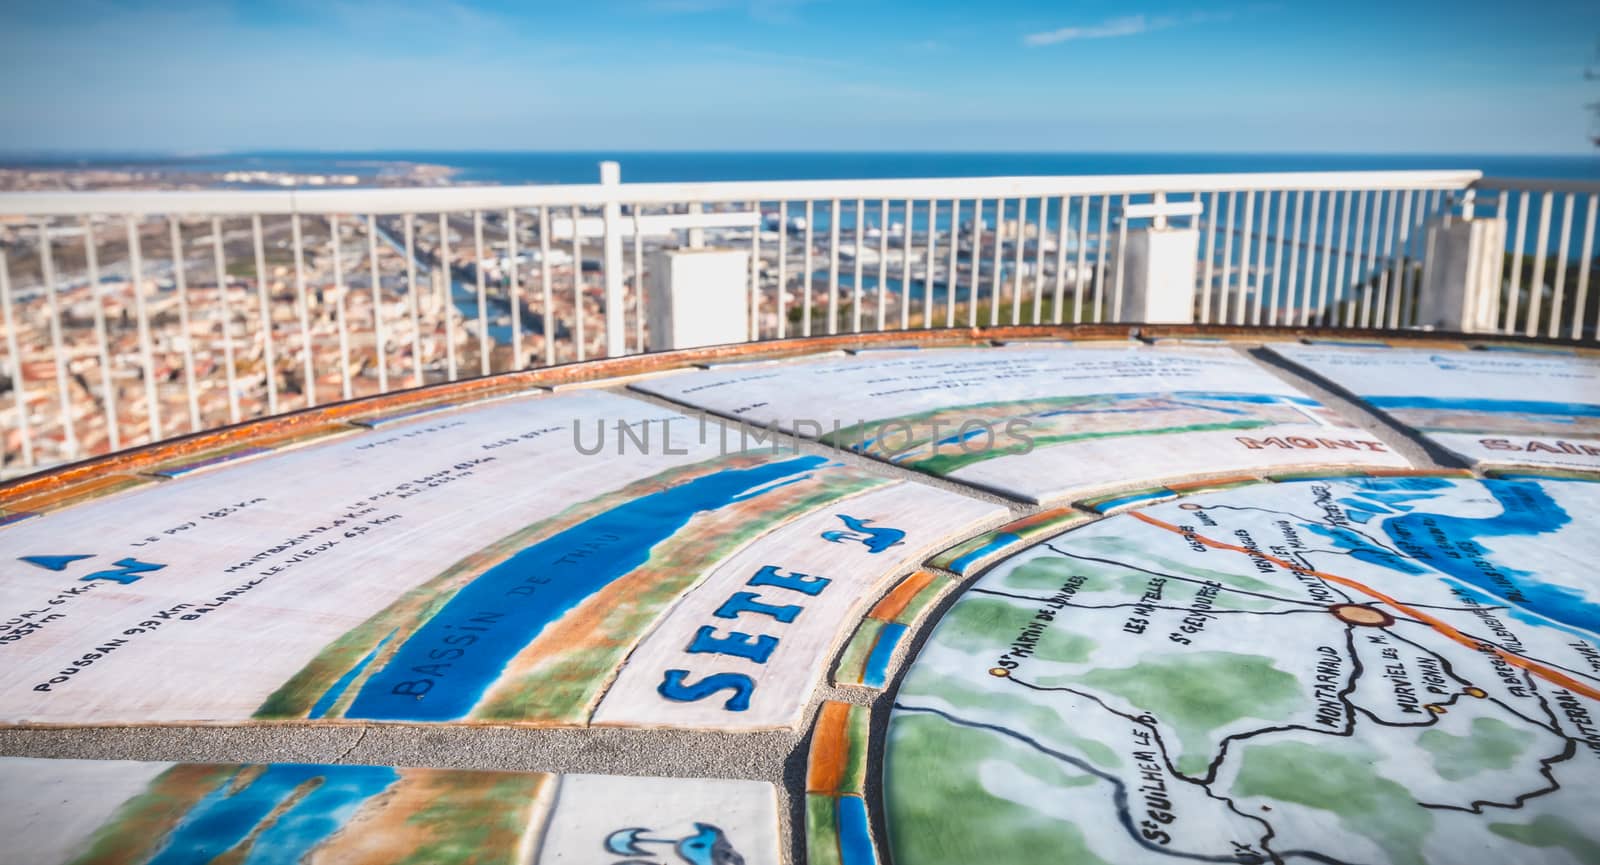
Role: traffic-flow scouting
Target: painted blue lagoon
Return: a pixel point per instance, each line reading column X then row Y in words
column 1457, row 546
column 444, row 668
column 328, row 796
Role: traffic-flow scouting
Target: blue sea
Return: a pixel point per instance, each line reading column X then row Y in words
column 515, row 167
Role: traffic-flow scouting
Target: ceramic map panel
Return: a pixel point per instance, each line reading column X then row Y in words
column 1384, row 670
column 1489, row 407
column 1042, row 423
column 478, row 566
column 82, row 812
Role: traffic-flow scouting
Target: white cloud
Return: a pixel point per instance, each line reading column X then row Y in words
column 1129, row 25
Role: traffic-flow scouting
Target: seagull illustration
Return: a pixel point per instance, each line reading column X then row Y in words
column 708, row 845
column 876, row 540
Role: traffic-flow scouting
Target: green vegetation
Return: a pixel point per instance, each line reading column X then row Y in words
column 931, row 763
column 1341, row 779
column 1492, row 745
column 1196, row 693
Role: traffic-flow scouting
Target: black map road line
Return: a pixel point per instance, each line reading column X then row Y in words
column 1477, row 805
column 1343, row 697
column 1130, row 604
column 1120, row 796
column 1227, row 588
column 1320, row 522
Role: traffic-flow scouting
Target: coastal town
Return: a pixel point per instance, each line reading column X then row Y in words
column 237, row 317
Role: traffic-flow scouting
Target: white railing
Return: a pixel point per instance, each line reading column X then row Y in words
column 130, row 317
column 1550, row 251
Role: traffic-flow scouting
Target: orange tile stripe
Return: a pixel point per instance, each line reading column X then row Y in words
column 894, row 603
column 830, row 748
column 1553, row 676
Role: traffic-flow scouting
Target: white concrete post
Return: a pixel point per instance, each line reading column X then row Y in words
column 1461, row 275
column 1156, row 265
column 698, row 297
column 611, row 215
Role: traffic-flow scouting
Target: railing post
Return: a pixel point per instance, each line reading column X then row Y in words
column 1461, row 271
column 1155, row 266
column 611, row 213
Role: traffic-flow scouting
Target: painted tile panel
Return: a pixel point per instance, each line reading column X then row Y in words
column 744, row 648
column 1492, row 408
column 474, row 567
column 1400, row 669
column 1042, row 423
column 132, row 813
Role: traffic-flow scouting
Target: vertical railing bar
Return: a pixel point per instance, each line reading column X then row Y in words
column 860, row 235
column 1225, row 295
column 1353, row 304
column 1563, row 248
column 339, row 306
column 755, row 275
column 1380, row 275
column 806, row 265
column 1306, row 287
column 1416, row 253
column 1263, row 240
column 1224, row 288
column 514, row 287
column 1536, row 283
column 447, row 303
column 408, row 224
column 181, row 284
column 380, row 346
column 108, row 392
column 1290, row 290
column 975, row 264
column 883, row 260
column 484, row 366
column 1380, row 205
column 994, row 264
column 264, row 298
column 1401, row 244
column 1063, row 208
column 307, row 366
column 1082, row 259
column 1122, row 254
column 577, row 284
column 1038, row 258
column 1282, row 306
column 953, row 266
column 1018, row 256
column 1292, row 269
column 142, row 313
column 546, row 290
column 63, row 367
column 974, row 260
column 1245, row 240
column 638, row 278
column 1325, row 255
column 1343, row 253
column 833, row 267
column 1208, row 262
column 783, row 269
column 1514, row 302
column 219, row 256
column 933, row 256
column 1100, row 260
column 1583, row 272
column 19, row 382
column 905, row 265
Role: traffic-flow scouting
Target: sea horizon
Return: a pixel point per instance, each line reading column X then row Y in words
column 581, row 166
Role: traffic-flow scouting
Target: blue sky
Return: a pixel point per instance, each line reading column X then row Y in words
column 1019, row 75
